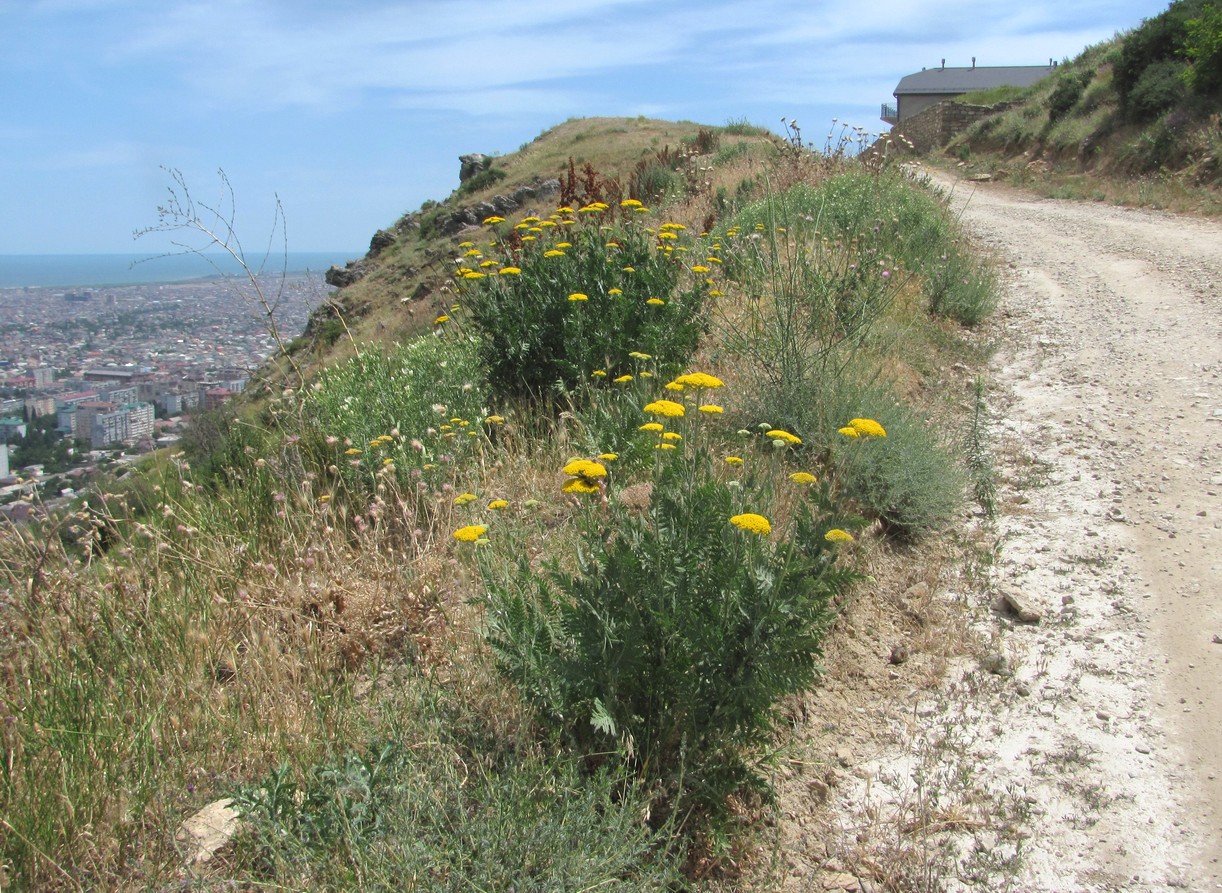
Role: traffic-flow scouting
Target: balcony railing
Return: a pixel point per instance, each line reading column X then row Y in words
column 890, row 114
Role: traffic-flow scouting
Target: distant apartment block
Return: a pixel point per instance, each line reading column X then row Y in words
column 121, row 425
column 12, row 429
column 112, row 374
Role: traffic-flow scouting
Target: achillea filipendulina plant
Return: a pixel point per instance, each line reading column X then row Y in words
column 545, row 329
column 676, row 633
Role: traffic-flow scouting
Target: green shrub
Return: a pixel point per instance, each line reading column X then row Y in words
column 1203, row 48
column 909, row 480
column 485, row 178
column 1153, row 55
column 743, row 127
column 538, row 340
column 410, row 393
column 1067, row 92
column 374, row 818
column 653, row 181
column 675, row 636
column 1160, row 87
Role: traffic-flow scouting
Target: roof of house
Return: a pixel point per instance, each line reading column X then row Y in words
column 965, row 80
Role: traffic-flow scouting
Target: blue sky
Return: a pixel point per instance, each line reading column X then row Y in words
column 355, row 112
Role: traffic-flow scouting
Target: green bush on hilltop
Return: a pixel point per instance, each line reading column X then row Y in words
column 570, row 300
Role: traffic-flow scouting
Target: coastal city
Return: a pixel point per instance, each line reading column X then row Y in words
column 91, row 376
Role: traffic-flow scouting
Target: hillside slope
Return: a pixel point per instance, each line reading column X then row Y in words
column 1143, row 108
column 402, row 283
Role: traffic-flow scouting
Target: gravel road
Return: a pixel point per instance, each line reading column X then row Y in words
column 1108, row 392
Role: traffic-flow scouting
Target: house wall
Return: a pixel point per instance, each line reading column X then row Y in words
column 912, row 104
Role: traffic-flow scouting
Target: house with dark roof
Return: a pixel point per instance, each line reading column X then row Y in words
column 929, row 86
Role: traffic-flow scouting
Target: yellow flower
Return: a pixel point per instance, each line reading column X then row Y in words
column 511, row 271
column 586, row 468
column 598, row 373
column 495, row 420
column 715, row 293
column 803, row 477
column 664, row 446
column 352, row 451
column 671, row 435
column 564, row 244
column 326, row 497
column 615, row 291
column 848, row 431
column 734, row 460
column 629, row 269
column 667, row 235
column 752, row 523
column 673, row 226
column 785, row 436
column 497, row 504
column 470, row 533
column 464, row 498
column 471, row 274
column 836, row 535
column 579, row 485
column 439, row 320
column 578, row 296
column 700, row 269
column 564, row 209
column 631, row 203
column 530, row 219
column 488, row 221
column 712, row 408
column 668, row 408
column 623, row 378
column 713, row 260
column 657, row 302
column 489, row 263
column 637, row 355
column 673, row 386
column 699, row 380
column 608, row 457
column 552, row 252
column 868, row 427
column 652, row 426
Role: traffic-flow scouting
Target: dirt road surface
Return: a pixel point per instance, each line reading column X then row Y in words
column 1107, row 402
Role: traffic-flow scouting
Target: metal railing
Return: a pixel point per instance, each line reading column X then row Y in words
column 890, row 114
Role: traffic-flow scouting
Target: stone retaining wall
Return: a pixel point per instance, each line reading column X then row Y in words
column 936, row 125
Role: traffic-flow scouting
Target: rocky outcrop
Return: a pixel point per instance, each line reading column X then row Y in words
column 471, row 165
column 381, row 240
column 353, row 271
column 453, row 222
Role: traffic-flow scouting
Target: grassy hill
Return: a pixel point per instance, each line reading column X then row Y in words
column 403, row 290
column 507, row 579
column 1135, row 119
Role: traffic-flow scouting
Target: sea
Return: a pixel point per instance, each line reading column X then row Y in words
column 100, row 270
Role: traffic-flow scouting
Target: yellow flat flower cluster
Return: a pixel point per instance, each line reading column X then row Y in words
column 752, row 523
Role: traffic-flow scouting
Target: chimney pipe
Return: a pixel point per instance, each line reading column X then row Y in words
column 973, row 61
column 943, row 65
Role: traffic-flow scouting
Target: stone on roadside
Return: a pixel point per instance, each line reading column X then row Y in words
column 1014, row 602
column 209, row 830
